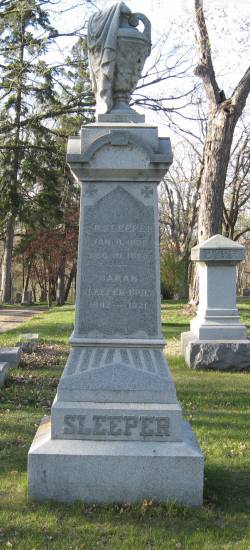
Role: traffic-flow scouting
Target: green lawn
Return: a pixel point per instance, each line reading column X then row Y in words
column 216, row 404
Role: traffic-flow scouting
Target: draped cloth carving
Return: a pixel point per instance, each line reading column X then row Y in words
column 102, row 42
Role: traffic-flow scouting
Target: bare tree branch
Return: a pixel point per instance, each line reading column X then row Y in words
column 205, row 69
column 241, row 91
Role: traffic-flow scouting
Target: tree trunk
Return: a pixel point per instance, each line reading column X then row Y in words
column 60, row 287
column 6, row 282
column 9, row 239
column 194, row 298
column 216, row 156
column 53, row 289
column 49, row 296
column 34, row 293
column 26, row 282
column 69, row 282
column 184, row 290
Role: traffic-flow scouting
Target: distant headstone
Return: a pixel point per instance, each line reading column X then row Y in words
column 116, row 432
column 246, row 291
column 18, row 298
column 43, row 296
column 27, row 298
column 28, row 342
column 11, row 356
column 3, row 372
column 217, row 338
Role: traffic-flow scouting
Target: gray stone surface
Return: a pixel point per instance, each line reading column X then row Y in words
column 118, row 286
column 217, row 339
column 121, row 115
column 215, row 355
column 3, row 372
column 11, row 356
column 115, row 471
column 28, row 341
column 217, row 316
column 116, row 421
column 101, row 153
column 112, row 374
column 218, row 249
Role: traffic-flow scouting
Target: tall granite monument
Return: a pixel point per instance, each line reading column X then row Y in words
column 116, row 432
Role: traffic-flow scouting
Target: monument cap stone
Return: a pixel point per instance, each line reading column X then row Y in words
column 218, row 249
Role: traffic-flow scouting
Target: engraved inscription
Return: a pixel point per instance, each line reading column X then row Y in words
column 116, row 427
column 217, row 254
column 118, row 287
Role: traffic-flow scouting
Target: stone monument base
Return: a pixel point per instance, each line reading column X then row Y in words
column 224, row 355
column 115, row 472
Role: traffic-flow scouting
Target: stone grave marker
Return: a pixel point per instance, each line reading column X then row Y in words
column 116, row 432
column 11, row 356
column 28, row 341
column 217, row 338
column 27, row 298
column 3, row 372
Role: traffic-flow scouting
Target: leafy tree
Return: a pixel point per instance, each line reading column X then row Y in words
column 26, row 85
column 34, row 94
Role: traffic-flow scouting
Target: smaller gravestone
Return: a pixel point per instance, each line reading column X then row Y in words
column 217, row 339
column 246, row 292
column 3, row 372
column 43, row 296
column 10, row 355
column 27, row 298
column 28, row 342
column 18, row 298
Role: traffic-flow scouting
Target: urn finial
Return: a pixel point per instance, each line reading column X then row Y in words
column 117, row 52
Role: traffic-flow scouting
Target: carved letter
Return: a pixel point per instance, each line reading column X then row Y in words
column 114, row 421
column 162, row 425
column 130, row 423
column 81, row 426
column 145, row 421
column 69, row 427
column 98, row 430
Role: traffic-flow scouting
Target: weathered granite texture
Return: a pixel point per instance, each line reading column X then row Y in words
column 215, row 355
column 28, row 341
column 116, row 374
column 117, row 52
column 116, row 413
column 116, row 421
column 217, row 316
column 115, row 471
column 11, row 356
column 217, row 339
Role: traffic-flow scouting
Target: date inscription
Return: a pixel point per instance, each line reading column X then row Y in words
column 118, row 295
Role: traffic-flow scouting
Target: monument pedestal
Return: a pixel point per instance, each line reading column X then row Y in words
column 116, row 432
column 217, row 339
column 115, row 471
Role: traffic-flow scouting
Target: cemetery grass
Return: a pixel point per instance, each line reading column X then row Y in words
column 217, row 406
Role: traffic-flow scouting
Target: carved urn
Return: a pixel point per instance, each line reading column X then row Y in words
column 133, row 47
